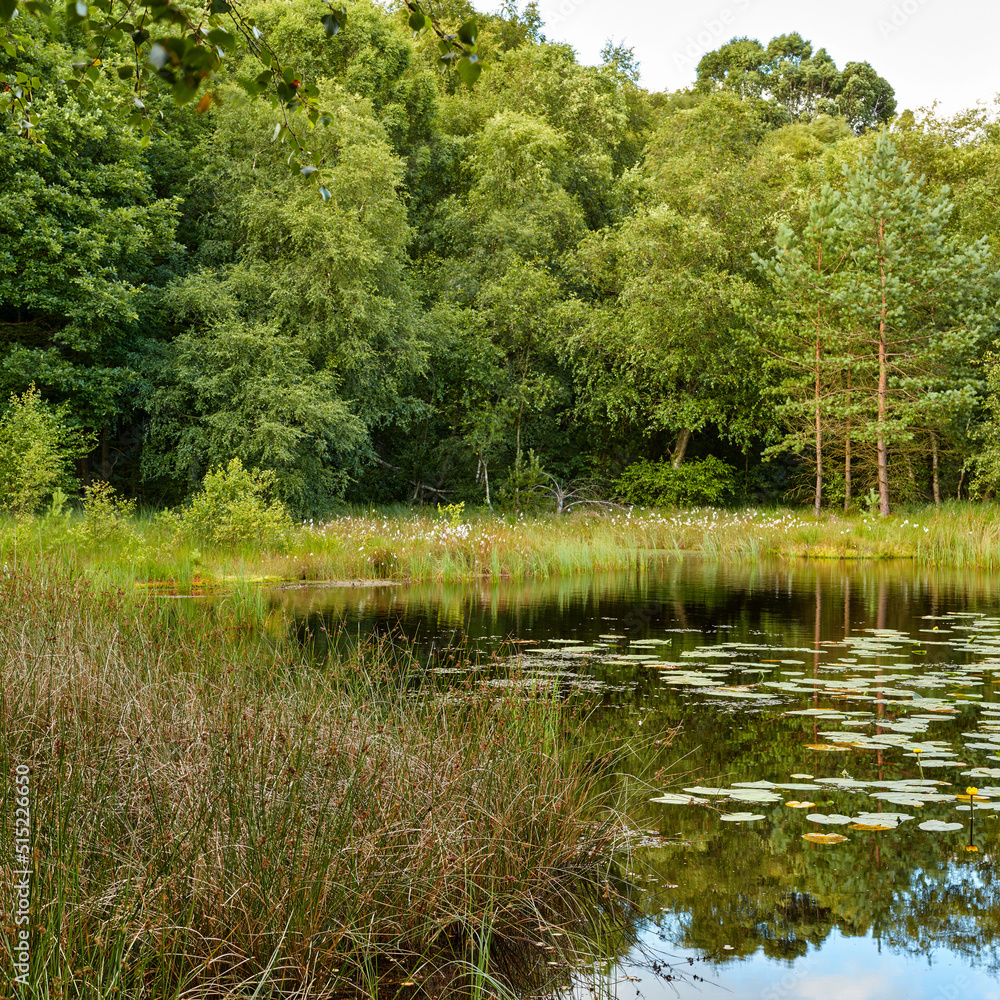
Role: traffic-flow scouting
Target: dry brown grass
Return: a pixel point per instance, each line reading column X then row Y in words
column 212, row 812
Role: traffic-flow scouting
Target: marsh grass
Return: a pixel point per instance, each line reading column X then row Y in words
column 214, row 814
column 152, row 551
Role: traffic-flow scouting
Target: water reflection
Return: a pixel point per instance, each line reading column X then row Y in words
column 721, row 654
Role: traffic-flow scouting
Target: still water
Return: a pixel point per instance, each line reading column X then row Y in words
column 806, row 727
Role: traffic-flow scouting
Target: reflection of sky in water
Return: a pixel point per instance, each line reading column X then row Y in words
column 844, row 969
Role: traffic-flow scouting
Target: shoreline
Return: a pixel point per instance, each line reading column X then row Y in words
column 390, row 549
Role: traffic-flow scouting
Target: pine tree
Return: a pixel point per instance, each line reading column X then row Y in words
column 922, row 302
column 880, row 317
column 808, row 342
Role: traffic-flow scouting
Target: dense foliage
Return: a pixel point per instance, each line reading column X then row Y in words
column 434, row 292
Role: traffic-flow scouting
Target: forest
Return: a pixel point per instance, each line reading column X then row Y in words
column 542, row 285
column 306, row 311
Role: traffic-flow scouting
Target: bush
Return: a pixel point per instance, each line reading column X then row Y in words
column 709, row 481
column 235, row 506
column 37, row 449
column 104, row 512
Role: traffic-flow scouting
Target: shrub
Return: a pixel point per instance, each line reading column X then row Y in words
column 708, row 481
column 235, row 506
column 37, row 449
column 104, row 512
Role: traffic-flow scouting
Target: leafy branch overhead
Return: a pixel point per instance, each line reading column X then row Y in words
column 185, row 48
column 139, row 40
column 457, row 50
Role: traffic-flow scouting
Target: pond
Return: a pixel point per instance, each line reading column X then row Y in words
column 809, row 729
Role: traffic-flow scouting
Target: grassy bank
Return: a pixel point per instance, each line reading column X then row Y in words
column 213, row 814
column 405, row 545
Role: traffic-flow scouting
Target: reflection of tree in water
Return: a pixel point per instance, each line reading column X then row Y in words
column 754, row 890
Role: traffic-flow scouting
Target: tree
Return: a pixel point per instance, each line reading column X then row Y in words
column 82, row 233
column 289, row 344
column 800, row 83
column 805, row 274
column 37, row 448
column 664, row 348
column 910, row 306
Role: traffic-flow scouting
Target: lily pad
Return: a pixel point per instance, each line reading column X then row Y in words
column 937, row 826
column 741, row 817
column 672, row 799
column 900, row 798
column 829, row 819
column 824, row 838
column 754, row 795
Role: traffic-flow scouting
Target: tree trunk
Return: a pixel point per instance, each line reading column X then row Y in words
column 847, row 450
column 486, row 480
column 818, row 503
column 847, row 474
column 105, row 458
column 883, row 386
column 680, row 447
column 935, row 482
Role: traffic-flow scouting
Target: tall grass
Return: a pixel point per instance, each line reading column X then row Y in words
column 216, row 815
column 151, row 551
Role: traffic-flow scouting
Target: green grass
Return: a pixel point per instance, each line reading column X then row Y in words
column 215, row 814
column 150, row 551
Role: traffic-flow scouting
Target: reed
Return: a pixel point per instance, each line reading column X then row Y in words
column 215, row 813
column 151, row 552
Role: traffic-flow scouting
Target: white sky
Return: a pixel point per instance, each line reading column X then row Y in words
column 928, row 50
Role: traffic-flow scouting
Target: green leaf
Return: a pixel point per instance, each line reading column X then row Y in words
column 277, row 132
column 325, row 194
column 331, row 23
column 418, row 21
column 8, row 8
column 220, row 7
column 222, row 38
column 467, row 33
column 125, row 72
column 309, row 170
column 469, row 71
